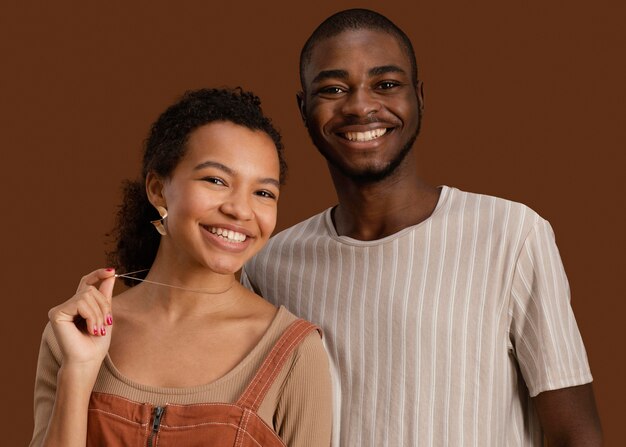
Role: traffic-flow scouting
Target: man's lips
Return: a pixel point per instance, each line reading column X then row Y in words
column 363, row 133
column 368, row 135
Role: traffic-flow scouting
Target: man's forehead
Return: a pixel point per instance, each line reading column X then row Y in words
column 346, row 49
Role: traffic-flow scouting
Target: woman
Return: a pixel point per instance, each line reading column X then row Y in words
column 187, row 356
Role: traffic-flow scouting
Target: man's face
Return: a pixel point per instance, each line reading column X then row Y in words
column 360, row 104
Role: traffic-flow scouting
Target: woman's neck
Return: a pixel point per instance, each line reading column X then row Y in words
column 178, row 291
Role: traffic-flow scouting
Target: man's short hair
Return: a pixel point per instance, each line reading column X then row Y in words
column 356, row 19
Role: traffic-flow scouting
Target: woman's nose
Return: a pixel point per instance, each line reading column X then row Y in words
column 237, row 206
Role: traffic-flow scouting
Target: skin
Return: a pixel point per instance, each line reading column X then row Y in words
column 360, row 80
column 169, row 337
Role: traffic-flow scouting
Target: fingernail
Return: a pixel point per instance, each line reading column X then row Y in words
column 110, row 269
column 109, row 319
column 95, row 330
column 103, row 330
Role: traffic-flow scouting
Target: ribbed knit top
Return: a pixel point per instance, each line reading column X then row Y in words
column 298, row 405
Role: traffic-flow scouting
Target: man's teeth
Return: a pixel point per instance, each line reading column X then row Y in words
column 365, row 136
column 231, row 235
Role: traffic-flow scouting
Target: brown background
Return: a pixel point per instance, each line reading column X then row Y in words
column 524, row 100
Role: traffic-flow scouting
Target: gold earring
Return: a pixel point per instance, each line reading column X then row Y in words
column 158, row 224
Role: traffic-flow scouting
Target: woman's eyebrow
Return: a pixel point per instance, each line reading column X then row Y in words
column 229, row 171
column 271, row 181
column 214, row 164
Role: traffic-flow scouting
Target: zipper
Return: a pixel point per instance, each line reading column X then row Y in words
column 156, row 423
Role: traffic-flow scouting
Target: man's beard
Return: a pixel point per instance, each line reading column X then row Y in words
column 371, row 174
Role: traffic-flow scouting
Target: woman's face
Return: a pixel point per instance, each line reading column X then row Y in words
column 222, row 197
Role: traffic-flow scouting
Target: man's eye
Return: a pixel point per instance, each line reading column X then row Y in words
column 333, row 90
column 386, row 85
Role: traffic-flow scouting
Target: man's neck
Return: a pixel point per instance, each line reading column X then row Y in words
column 375, row 210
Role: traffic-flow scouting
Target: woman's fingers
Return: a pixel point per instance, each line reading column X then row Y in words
column 102, row 296
column 93, row 278
column 89, row 310
column 106, row 292
column 91, row 304
column 106, row 286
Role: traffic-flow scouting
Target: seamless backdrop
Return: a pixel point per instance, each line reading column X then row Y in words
column 524, row 100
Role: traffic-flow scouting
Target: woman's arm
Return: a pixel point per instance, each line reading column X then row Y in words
column 304, row 414
column 81, row 354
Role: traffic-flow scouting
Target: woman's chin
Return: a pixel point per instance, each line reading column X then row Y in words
column 229, row 268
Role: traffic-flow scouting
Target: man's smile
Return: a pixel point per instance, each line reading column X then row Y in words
column 364, row 136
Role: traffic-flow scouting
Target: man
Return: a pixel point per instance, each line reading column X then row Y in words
column 446, row 314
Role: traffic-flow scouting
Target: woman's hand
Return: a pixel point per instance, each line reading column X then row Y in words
column 82, row 324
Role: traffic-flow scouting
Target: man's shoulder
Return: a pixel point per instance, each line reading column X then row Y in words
column 282, row 246
column 479, row 203
column 488, row 214
column 314, row 225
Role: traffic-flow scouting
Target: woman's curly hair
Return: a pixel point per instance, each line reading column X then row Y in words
column 137, row 241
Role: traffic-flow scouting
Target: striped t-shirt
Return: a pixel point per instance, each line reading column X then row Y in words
column 438, row 334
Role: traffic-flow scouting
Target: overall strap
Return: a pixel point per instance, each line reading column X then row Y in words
column 274, row 362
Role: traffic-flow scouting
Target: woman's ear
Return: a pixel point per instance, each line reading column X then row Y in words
column 154, row 190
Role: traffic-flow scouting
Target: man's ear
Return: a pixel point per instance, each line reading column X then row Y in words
column 301, row 105
column 419, row 91
column 154, row 190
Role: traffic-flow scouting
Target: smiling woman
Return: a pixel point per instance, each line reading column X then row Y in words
column 221, row 197
column 193, row 357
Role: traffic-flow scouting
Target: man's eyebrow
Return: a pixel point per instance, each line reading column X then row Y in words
column 326, row 74
column 229, row 171
column 343, row 74
column 384, row 69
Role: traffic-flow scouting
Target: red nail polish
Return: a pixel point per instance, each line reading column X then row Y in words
column 95, row 330
column 109, row 320
column 103, row 330
column 110, row 269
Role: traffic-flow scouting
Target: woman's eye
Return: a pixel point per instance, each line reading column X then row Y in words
column 266, row 194
column 214, row 180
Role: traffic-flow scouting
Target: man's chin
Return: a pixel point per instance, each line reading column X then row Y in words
column 367, row 174
column 370, row 175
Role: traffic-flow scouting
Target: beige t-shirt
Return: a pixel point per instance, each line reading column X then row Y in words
column 297, row 406
column 438, row 334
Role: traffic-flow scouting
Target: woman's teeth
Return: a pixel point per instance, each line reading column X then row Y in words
column 365, row 136
column 231, row 235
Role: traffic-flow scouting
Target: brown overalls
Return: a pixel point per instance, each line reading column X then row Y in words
column 115, row 421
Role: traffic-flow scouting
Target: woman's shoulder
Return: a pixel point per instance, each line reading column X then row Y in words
column 310, row 349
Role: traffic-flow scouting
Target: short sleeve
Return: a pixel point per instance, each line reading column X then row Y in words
column 543, row 330
column 304, row 413
column 48, row 365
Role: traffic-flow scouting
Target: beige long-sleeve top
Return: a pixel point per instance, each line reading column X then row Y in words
column 297, row 406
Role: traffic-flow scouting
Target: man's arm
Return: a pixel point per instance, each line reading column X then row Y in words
column 569, row 417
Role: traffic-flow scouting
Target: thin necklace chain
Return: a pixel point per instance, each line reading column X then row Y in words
column 129, row 275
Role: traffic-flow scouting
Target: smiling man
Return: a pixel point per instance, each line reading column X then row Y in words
column 446, row 314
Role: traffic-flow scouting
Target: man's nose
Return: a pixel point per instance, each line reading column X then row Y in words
column 360, row 102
